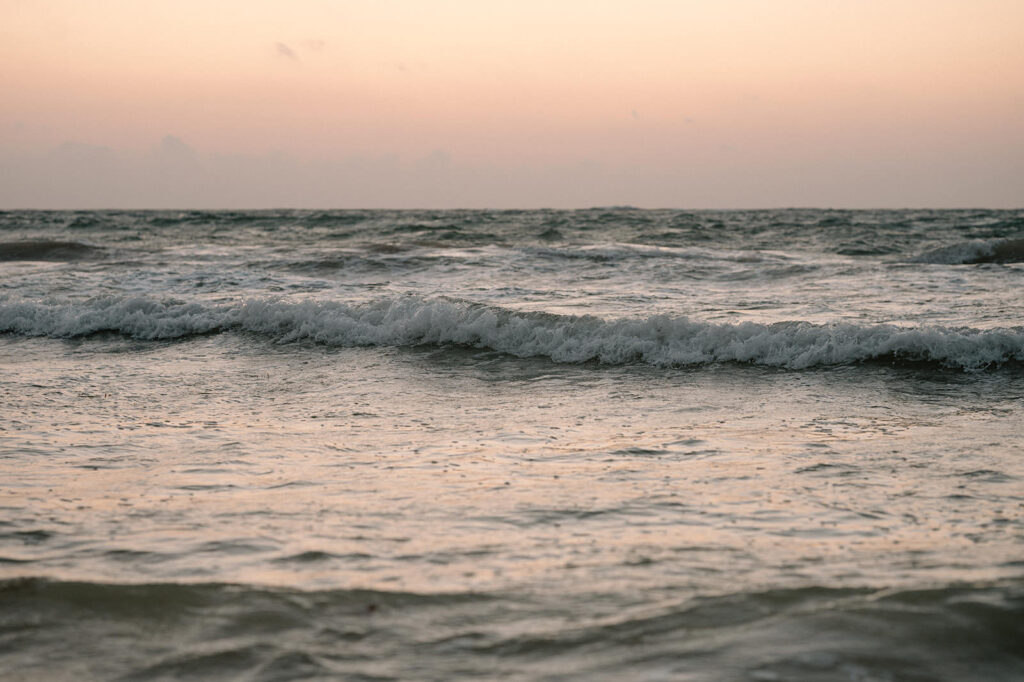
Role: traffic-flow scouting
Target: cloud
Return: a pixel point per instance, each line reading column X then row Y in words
column 172, row 174
column 286, row 52
column 174, row 146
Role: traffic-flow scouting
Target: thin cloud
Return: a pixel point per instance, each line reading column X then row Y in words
column 286, row 52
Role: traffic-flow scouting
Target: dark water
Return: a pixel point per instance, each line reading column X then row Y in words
column 216, row 631
column 603, row 444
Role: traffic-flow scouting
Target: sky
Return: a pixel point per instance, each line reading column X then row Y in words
column 495, row 104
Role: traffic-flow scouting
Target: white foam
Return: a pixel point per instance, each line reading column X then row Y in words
column 407, row 321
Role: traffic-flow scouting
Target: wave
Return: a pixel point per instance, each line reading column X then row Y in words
column 602, row 253
column 157, row 599
column 45, row 250
column 163, row 631
column 411, row 321
column 976, row 251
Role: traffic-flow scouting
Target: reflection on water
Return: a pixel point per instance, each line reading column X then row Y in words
column 321, row 468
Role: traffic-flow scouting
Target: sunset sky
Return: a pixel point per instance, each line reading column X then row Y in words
column 458, row 103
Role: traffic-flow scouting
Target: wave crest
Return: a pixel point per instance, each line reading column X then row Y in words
column 410, row 321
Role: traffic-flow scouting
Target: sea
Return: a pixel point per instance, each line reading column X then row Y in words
column 602, row 444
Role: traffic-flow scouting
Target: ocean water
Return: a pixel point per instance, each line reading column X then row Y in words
column 609, row 444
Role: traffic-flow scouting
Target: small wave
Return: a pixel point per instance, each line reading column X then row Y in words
column 865, row 246
column 45, row 250
column 602, row 253
column 237, row 631
column 373, row 257
column 410, row 321
column 386, row 248
column 976, row 251
column 85, row 221
column 336, row 218
column 164, row 600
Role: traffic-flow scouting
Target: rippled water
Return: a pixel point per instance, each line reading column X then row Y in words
column 605, row 444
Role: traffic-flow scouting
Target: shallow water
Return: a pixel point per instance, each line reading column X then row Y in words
column 511, row 445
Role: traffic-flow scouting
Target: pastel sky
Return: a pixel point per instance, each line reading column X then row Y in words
column 477, row 103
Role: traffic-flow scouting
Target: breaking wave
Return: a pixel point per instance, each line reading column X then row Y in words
column 976, row 251
column 410, row 321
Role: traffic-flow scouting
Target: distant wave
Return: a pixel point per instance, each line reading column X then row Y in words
column 619, row 251
column 419, row 253
column 45, row 250
column 976, row 251
column 409, row 321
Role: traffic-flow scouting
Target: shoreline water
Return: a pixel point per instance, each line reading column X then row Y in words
column 428, row 445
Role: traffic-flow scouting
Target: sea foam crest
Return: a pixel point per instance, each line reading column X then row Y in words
column 408, row 321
